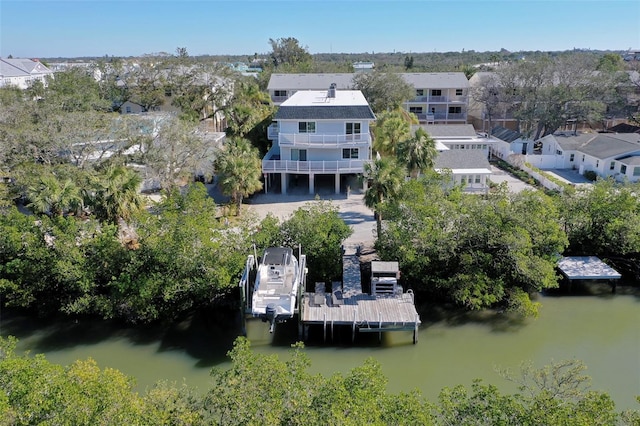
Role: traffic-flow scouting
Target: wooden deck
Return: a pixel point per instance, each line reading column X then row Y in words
column 344, row 304
column 363, row 310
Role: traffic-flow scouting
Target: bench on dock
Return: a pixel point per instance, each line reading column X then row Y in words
column 319, row 297
column 336, row 293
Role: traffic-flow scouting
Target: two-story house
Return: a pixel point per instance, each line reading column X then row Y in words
column 441, row 98
column 318, row 134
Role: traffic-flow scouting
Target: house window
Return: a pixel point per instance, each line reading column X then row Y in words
column 612, row 165
column 415, row 110
column 636, row 171
column 353, row 131
column 571, row 157
column 458, row 92
column 623, row 169
column 350, row 153
column 455, row 110
column 353, row 128
column 280, row 93
column 558, row 152
column 299, row 155
column 597, row 163
column 484, row 146
column 477, row 178
column 306, row 127
column 583, row 158
column 436, row 92
column 419, row 92
column 128, row 109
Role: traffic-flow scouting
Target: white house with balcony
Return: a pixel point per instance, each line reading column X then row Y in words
column 615, row 155
column 318, row 134
column 441, row 97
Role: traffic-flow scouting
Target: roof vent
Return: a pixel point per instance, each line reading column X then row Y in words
column 332, row 91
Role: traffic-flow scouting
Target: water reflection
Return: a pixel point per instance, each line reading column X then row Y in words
column 454, row 346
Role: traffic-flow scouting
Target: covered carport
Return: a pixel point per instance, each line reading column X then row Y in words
column 588, row 268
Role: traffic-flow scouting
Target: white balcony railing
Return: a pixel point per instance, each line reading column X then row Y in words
column 305, row 167
column 317, row 140
column 442, row 116
column 439, row 99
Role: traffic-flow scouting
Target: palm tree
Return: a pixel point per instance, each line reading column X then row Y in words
column 390, row 128
column 238, row 168
column 418, row 153
column 51, row 196
column 116, row 193
column 385, row 178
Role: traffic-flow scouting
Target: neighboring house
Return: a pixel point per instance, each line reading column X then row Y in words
column 22, row 73
column 282, row 86
column 507, row 142
column 130, row 107
column 614, row 155
column 319, row 133
column 440, row 97
column 363, row 66
column 457, row 137
column 485, row 89
column 469, row 167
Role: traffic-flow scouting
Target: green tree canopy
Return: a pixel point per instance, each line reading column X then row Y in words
column 287, row 51
column 417, row 153
column 389, row 129
column 239, row 169
column 384, row 91
column 475, row 251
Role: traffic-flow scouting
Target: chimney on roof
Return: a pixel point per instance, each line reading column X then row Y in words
column 332, row 91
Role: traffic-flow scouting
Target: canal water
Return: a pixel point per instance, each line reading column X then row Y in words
column 454, row 347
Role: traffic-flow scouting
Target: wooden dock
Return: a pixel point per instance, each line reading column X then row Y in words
column 344, row 304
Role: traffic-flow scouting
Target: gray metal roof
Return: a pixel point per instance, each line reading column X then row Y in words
column 601, row 145
column 320, row 81
column 462, row 159
column 310, row 81
column 357, row 112
column 633, row 160
column 504, row 134
column 450, row 130
column 21, row 67
column 436, row 80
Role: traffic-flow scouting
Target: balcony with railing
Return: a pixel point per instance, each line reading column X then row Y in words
column 317, row 167
column 323, row 140
column 441, row 116
column 439, row 99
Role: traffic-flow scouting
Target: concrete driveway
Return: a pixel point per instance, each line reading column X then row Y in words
column 514, row 184
column 351, row 209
